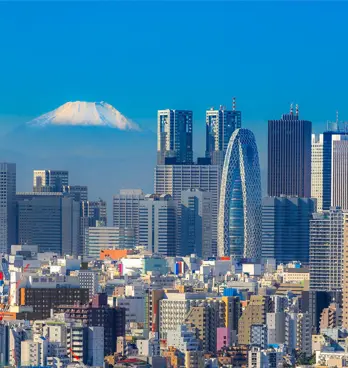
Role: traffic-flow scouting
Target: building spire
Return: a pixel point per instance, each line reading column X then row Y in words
column 233, row 104
column 337, row 117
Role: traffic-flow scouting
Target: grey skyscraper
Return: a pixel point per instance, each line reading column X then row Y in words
column 157, row 224
column 49, row 220
column 174, row 136
column 220, row 125
column 126, row 209
column 7, row 206
column 328, row 165
column 239, row 223
column 285, row 228
column 174, row 179
column 50, row 180
column 196, row 228
column 80, row 192
column 289, row 156
column 326, row 250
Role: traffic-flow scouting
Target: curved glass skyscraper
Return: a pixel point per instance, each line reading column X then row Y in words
column 239, row 222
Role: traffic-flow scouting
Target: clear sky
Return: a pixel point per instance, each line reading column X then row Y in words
column 145, row 56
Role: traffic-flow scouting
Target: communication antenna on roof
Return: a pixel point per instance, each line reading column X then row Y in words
column 233, row 104
column 337, row 117
column 296, row 109
column 291, row 108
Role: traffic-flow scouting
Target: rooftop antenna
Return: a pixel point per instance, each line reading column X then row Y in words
column 233, row 104
column 291, row 108
column 296, row 109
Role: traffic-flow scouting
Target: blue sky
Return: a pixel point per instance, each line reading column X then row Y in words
column 145, row 56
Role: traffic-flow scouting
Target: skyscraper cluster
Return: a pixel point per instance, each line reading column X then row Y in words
column 204, row 271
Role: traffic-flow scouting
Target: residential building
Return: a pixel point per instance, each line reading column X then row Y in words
column 331, row 317
column 7, row 206
column 174, row 137
column 285, row 228
column 289, row 156
column 259, row 335
column 239, row 221
column 298, row 329
column 254, row 313
column 88, row 279
column 220, row 125
column 50, row 180
column 265, row 358
column 174, row 179
column 157, row 224
column 275, row 322
column 126, row 209
column 196, row 230
column 49, row 220
column 326, row 250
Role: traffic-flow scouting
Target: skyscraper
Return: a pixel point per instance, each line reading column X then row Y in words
column 323, row 166
column 7, row 206
column 80, row 192
column 157, row 224
column 196, row 231
column 289, row 156
column 174, row 179
column 174, row 137
column 326, row 250
column 285, row 228
column 220, row 125
column 126, row 209
column 50, row 180
column 49, row 220
column 339, row 179
column 239, row 222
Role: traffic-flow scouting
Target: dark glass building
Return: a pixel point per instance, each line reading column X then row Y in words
column 289, row 156
column 286, row 228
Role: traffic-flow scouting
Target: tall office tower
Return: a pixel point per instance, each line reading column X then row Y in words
column 220, row 125
column 325, row 161
column 95, row 211
column 50, row 180
column 126, row 209
column 317, row 170
column 345, row 275
column 289, row 156
column 49, row 220
column 79, row 192
column 339, row 179
column 239, row 222
column 174, row 179
column 326, row 250
column 285, row 228
column 196, row 231
column 7, row 206
column 174, row 137
column 157, row 220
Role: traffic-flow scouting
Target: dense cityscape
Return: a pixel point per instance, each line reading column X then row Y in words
column 203, row 272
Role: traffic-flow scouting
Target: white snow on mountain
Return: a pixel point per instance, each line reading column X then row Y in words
column 85, row 113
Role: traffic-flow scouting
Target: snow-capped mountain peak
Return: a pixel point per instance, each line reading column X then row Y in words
column 85, row 113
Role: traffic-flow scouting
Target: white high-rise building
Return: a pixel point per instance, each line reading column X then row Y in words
column 126, row 209
column 174, row 179
column 7, row 206
column 317, row 169
column 339, row 179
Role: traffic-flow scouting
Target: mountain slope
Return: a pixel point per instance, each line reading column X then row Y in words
column 85, row 114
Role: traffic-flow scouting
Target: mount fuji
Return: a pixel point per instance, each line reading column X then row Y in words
column 85, row 114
